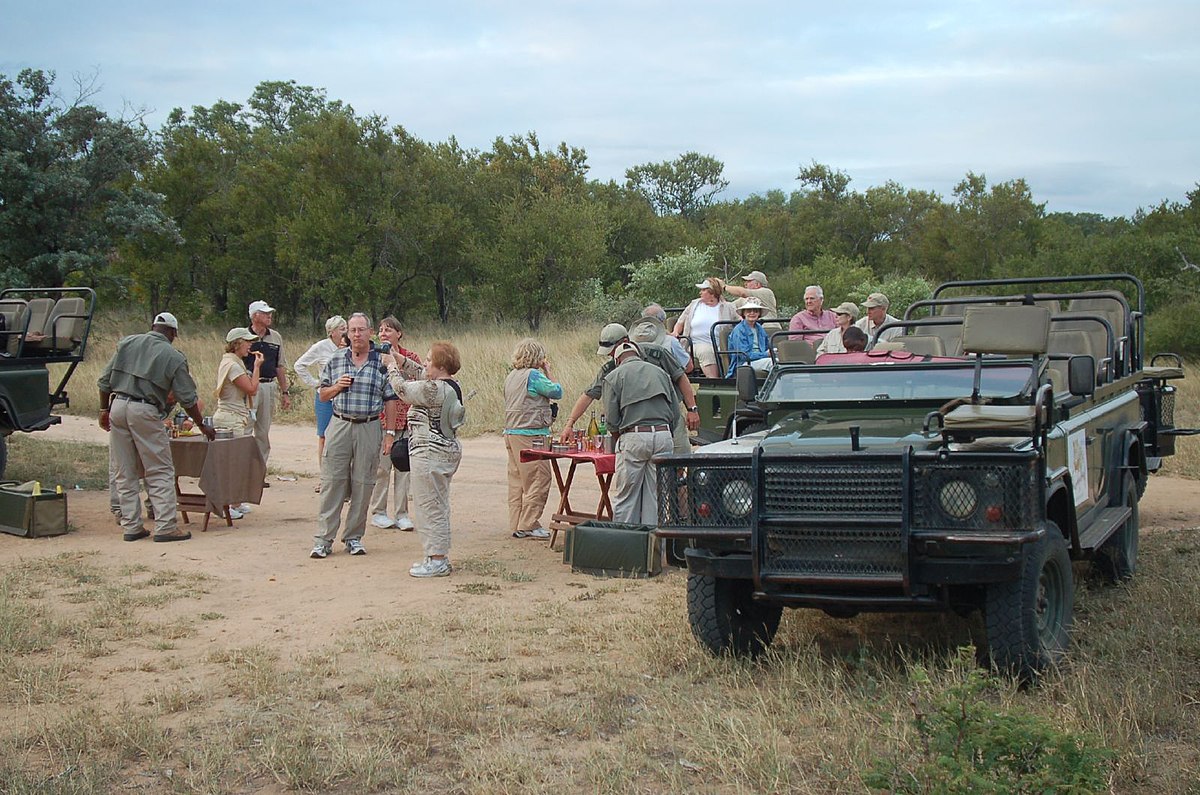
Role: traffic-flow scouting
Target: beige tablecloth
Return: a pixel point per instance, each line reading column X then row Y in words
column 230, row 471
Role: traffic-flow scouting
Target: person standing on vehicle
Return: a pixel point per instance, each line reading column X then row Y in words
column 877, row 315
column 638, row 403
column 754, row 285
column 614, row 334
column 134, row 397
column 697, row 321
column 273, row 381
column 355, row 379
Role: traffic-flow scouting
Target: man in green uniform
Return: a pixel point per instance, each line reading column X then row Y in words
column 133, row 397
column 639, row 404
column 614, row 334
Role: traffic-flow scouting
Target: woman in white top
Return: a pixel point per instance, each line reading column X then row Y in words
column 697, row 321
column 316, row 358
column 846, row 313
column 236, row 387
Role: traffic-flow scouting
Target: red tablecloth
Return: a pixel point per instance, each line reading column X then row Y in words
column 566, row 516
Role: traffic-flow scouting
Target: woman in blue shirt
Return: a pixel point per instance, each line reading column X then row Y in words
column 748, row 342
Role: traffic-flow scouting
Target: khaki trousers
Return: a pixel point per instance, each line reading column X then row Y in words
column 138, row 436
column 528, row 485
column 431, row 474
column 388, row 478
column 635, row 484
column 347, row 469
column 264, row 409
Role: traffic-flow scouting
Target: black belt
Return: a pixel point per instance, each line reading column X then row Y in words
column 354, row 419
column 645, row 428
column 262, row 380
column 131, row 398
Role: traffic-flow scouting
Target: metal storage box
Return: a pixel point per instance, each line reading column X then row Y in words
column 23, row 513
column 612, row 549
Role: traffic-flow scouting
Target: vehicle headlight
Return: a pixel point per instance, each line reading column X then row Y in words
column 735, row 498
column 958, row 498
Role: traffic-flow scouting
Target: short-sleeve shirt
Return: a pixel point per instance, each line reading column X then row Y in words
column 270, row 345
column 805, row 321
column 655, row 354
column 364, row 399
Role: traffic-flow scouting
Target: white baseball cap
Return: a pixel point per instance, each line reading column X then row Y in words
column 166, row 319
column 260, row 306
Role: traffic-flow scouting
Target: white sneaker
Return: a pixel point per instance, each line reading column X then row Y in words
column 403, row 522
column 382, row 521
column 431, row 567
column 245, row 507
column 234, row 513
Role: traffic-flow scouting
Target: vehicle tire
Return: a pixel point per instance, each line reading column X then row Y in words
column 750, row 427
column 1028, row 620
column 725, row 618
column 1116, row 558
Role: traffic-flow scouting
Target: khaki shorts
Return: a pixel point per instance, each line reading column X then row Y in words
column 703, row 354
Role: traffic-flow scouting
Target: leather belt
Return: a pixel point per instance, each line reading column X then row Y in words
column 262, row 380
column 131, row 398
column 645, row 428
column 354, row 419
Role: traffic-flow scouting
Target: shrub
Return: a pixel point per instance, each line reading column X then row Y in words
column 1174, row 329
column 968, row 743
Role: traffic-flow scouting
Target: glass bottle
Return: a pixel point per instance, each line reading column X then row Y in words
column 593, row 430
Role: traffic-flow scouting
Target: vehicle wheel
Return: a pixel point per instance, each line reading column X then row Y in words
column 1117, row 557
column 1029, row 619
column 750, row 427
column 725, row 618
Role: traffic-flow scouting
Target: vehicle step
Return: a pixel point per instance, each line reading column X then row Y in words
column 1109, row 520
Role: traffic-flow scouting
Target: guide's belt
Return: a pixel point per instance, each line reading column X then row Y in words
column 645, row 428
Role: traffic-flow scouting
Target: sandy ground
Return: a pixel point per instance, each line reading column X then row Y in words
column 269, row 590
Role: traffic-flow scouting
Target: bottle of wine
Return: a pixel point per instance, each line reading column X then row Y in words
column 593, row 430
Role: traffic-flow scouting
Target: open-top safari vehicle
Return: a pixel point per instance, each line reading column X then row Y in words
column 1006, row 434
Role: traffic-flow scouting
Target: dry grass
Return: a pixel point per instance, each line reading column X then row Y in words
column 486, row 353
column 602, row 695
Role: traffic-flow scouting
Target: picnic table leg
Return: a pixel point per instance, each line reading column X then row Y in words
column 604, row 510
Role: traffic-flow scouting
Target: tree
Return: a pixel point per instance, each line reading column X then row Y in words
column 70, row 185
column 684, row 186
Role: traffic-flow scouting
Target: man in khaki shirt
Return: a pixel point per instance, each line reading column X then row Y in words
column 134, row 389
column 639, row 405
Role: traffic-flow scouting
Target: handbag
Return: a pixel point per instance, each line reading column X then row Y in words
column 399, row 453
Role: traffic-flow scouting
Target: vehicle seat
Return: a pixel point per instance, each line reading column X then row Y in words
column 925, row 344
column 16, row 315
column 63, row 329
column 796, row 351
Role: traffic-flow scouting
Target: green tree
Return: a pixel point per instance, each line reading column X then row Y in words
column 70, row 186
column 684, row 186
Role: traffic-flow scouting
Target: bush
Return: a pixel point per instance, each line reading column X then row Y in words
column 900, row 290
column 970, row 744
column 671, row 279
column 1174, row 329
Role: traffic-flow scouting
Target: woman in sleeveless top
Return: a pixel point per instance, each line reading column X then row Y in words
column 236, row 387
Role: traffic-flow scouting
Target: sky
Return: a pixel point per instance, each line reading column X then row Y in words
column 1093, row 103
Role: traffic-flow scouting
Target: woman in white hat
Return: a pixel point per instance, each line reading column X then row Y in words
column 696, row 323
column 748, row 342
column 314, row 359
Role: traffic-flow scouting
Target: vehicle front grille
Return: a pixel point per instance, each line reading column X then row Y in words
column 710, row 493
column 835, row 519
column 974, row 495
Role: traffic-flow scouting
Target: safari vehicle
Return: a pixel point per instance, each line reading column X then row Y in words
column 959, row 476
column 39, row 327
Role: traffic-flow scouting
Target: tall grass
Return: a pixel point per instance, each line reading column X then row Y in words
column 486, row 355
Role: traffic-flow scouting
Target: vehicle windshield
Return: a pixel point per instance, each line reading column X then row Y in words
column 897, row 382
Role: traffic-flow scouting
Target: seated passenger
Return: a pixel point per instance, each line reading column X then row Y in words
column 846, row 313
column 855, row 340
column 748, row 341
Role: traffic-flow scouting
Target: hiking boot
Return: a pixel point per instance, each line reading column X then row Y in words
column 184, row 536
column 137, row 535
column 320, row 551
column 431, row 567
column 355, row 547
column 382, row 521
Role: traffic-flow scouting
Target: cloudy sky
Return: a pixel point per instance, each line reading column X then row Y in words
column 1094, row 103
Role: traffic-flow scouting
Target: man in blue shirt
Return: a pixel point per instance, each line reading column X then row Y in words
column 355, row 379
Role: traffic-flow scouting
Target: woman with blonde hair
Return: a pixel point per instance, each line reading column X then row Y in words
column 434, row 452
column 696, row 323
column 236, row 388
column 315, row 358
column 528, row 414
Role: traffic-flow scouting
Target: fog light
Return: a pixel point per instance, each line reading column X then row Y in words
column 704, row 509
column 994, row 513
column 735, row 497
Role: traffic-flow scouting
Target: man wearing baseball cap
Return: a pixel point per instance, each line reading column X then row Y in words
column 637, row 405
column 272, row 382
column 754, row 285
column 134, row 400
column 877, row 305
column 614, row 334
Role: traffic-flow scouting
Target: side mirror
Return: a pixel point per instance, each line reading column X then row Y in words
column 1081, row 375
column 747, row 383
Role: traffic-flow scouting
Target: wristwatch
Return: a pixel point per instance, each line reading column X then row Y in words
column 390, row 433
column 693, row 408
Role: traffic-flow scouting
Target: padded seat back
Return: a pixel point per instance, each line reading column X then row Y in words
column 1010, row 330
column 926, row 344
column 63, row 330
column 796, row 351
column 16, row 313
